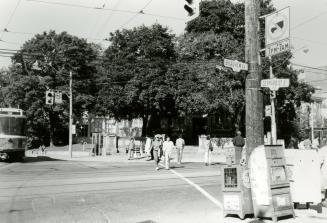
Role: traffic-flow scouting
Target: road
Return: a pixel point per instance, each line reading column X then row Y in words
column 47, row 190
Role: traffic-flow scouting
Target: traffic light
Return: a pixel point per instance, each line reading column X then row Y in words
column 192, row 8
column 49, row 95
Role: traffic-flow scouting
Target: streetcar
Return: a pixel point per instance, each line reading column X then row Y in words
column 12, row 134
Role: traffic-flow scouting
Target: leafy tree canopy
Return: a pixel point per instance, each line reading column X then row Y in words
column 134, row 83
column 42, row 63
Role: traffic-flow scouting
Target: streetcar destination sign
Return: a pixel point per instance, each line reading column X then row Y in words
column 235, row 65
column 274, row 84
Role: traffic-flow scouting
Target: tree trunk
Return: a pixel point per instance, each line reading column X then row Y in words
column 145, row 127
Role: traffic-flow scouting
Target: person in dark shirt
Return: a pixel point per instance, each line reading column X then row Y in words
column 238, row 140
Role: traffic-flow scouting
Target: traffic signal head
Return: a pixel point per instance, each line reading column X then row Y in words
column 49, row 95
column 189, row 10
column 192, row 8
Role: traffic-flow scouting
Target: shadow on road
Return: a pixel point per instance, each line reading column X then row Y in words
column 147, row 221
column 39, row 159
column 177, row 167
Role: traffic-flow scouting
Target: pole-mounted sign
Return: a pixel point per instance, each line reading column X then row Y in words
column 274, row 84
column 277, row 29
column 58, row 97
column 235, row 65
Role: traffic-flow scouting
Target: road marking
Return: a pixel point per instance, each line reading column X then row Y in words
column 103, row 214
column 200, row 189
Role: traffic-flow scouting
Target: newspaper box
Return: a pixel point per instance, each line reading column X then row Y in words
column 269, row 182
column 303, row 165
column 236, row 187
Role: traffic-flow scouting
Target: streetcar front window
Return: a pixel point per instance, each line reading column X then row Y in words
column 12, row 126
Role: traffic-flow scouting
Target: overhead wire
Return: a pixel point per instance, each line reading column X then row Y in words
column 93, row 28
column 133, row 17
column 105, row 9
column 308, row 40
column 10, row 18
column 108, row 19
column 308, row 20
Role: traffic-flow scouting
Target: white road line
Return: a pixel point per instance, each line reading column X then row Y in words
column 200, row 189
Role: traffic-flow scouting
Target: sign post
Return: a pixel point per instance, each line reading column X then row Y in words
column 274, row 84
column 277, row 29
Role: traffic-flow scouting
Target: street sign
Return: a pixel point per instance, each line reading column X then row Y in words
column 274, row 84
column 268, row 111
column 58, row 97
column 235, row 65
column 279, row 47
column 277, row 30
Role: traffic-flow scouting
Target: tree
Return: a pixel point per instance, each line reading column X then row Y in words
column 219, row 31
column 134, row 83
column 55, row 55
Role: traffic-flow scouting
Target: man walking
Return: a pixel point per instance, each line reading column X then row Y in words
column 238, row 140
column 180, row 143
column 168, row 147
column 157, row 147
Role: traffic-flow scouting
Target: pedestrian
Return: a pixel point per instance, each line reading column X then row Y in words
column 180, row 143
column 238, row 140
column 167, row 148
column 293, row 144
column 207, row 151
column 147, row 147
column 156, row 148
column 131, row 148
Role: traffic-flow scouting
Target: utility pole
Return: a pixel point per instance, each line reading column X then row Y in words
column 254, row 100
column 70, row 113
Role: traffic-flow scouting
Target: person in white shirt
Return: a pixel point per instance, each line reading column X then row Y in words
column 167, row 147
column 207, row 151
column 180, row 143
column 147, row 147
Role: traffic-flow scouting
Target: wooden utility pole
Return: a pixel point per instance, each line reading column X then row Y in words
column 254, row 101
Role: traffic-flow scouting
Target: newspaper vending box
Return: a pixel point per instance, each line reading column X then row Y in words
column 269, row 183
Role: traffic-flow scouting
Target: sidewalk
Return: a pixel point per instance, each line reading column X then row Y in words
column 190, row 154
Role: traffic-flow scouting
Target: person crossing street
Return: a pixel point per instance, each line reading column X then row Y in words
column 180, row 143
column 168, row 147
column 157, row 147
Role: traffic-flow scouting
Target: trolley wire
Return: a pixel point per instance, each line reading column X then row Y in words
column 105, row 9
column 11, row 17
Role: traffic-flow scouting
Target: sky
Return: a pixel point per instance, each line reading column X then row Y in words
column 23, row 18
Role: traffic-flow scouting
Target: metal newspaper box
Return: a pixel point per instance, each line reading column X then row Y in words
column 303, row 165
column 236, row 187
column 269, row 183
